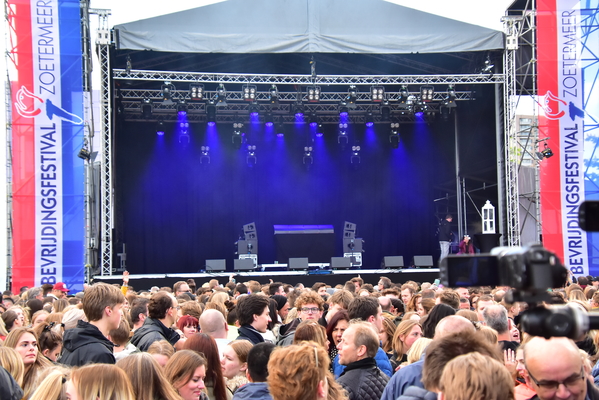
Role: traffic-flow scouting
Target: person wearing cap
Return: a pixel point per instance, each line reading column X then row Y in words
column 59, row 291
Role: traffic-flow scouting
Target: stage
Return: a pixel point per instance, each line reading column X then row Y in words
column 308, row 278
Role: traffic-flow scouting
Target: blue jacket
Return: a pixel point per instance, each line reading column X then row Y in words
column 382, row 361
column 410, row 375
column 253, row 391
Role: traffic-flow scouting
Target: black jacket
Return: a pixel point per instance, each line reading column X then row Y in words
column 247, row 332
column 9, row 389
column 445, row 234
column 85, row 344
column 363, row 380
column 152, row 331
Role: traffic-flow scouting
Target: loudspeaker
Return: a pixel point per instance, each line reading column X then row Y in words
column 216, row 265
column 340, row 263
column 298, row 264
column 244, row 264
column 357, row 245
column 249, row 246
column 422, row 261
column 393, row 262
column 349, row 230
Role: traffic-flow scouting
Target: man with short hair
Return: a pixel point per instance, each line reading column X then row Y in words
column 240, row 289
column 445, row 236
column 253, row 315
column 59, row 291
column 88, row 342
column 338, row 301
column 384, row 283
column 407, row 291
column 450, row 298
column 483, row 302
column 213, row 323
column 386, row 306
column 139, row 312
column 180, row 288
column 256, row 373
column 162, row 312
column 362, row 379
column 276, row 288
column 368, row 310
column 495, row 317
column 320, row 288
column 310, row 307
column 358, row 282
column 463, row 293
column 555, row 370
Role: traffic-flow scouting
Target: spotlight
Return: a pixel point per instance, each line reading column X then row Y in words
column 251, row 155
column 254, row 109
column 238, row 137
column 352, row 97
column 385, row 113
column 427, row 93
column 450, row 98
column 342, row 138
column 369, row 120
column 488, row 68
column 205, row 155
column 280, row 129
column 343, row 110
column 167, row 93
column 313, row 93
column 394, row 135
column 298, row 110
column 308, row 159
column 268, row 118
column 404, row 94
column 355, row 156
column 182, row 108
column 221, row 96
column 160, row 127
column 313, row 120
column 419, row 109
column 146, row 108
column 377, row 94
column 249, row 92
column 274, row 95
column 545, row 153
column 84, row 153
column 196, row 92
column 211, row 113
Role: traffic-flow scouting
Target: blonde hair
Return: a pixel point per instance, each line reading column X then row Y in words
column 161, row 347
column 489, row 334
column 180, row 368
column 310, row 330
column 241, row 349
column 389, row 328
column 146, row 376
column 102, row 381
column 417, row 349
column 219, row 297
column 404, row 328
column 52, row 387
column 474, row 376
column 13, row 363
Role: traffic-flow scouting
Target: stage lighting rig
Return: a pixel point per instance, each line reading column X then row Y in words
column 355, row 154
column 146, row 108
column 342, row 138
column 427, row 93
column 352, row 97
column 249, row 92
column 274, row 95
column 182, row 108
column 546, row 152
column 251, row 155
column 313, row 93
column 488, row 68
column 160, row 127
column 238, row 137
column 205, row 155
column 377, row 94
column 196, row 92
column 167, row 93
column 211, row 113
column 394, row 135
column 369, row 120
column 254, row 109
column 221, row 96
column 308, row 159
column 450, row 98
column 84, row 153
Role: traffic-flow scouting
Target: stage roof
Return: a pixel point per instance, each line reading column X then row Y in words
column 306, row 26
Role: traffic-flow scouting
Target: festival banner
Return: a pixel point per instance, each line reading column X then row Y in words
column 566, row 60
column 47, row 134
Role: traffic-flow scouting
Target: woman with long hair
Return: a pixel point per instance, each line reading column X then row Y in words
column 53, row 386
column 215, row 383
column 49, row 340
column 186, row 371
column 438, row 312
column 425, row 306
column 11, row 361
column 335, row 328
column 311, row 331
column 147, row 378
column 234, row 363
column 406, row 333
column 99, row 381
column 413, row 303
column 24, row 341
column 386, row 336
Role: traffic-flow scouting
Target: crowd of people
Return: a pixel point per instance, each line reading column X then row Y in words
column 276, row 341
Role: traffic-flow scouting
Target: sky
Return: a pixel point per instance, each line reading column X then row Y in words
column 485, row 13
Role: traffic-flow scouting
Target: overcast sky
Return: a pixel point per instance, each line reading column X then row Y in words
column 485, row 13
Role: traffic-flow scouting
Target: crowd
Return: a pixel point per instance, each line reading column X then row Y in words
column 281, row 342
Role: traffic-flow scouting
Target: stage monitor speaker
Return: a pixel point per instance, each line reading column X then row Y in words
column 247, row 228
column 298, row 264
column 422, row 261
column 340, row 263
column 216, row 265
column 393, row 262
column 245, row 264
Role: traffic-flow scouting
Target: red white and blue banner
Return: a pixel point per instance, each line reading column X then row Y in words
column 47, row 134
column 568, row 51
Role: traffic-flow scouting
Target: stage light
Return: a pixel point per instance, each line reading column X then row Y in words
column 450, row 98
column 355, row 157
column 160, row 127
column 313, row 93
column 146, row 108
column 205, row 155
column 404, row 94
column 84, row 153
column 221, row 96
column 298, row 110
column 394, row 135
column 249, row 92
column 385, row 113
column 268, row 118
column 167, row 93
column 352, row 97
column 182, row 108
column 274, row 95
column 427, row 93
column 238, row 137
column 308, row 159
column 196, row 92
column 211, row 113
column 280, row 129
column 251, row 155
column 444, row 112
column 369, row 120
column 488, row 68
column 342, row 138
column 419, row 109
column 313, row 120
column 545, row 153
column 377, row 94
column 343, row 110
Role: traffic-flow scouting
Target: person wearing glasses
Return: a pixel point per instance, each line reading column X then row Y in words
column 310, row 306
column 162, row 315
column 555, row 370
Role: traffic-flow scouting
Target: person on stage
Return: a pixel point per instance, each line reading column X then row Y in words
column 466, row 246
column 445, row 236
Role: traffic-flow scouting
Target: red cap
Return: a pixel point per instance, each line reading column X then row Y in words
column 61, row 286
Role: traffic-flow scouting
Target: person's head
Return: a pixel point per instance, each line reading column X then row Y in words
column 384, row 283
column 235, row 358
column 310, row 330
column 483, row 302
column 386, row 334
column 407, row 291
column 298, row 372
column 146, row 376
column 276, row 288
column 103, row 301
column 475, row 376
column 181, row 287
column 253, row 310
column 282, row 305
column 162, row 351
column 162, row 306
column 257, row 361
column 320, row 288
column 99, row 381
column 336, row 326
column 24, row 341
column 495, row 316
column 11, row 320
column 186, row 371
column 454, row 324
column 189, row 325
column 359, row 341
column 406, row 333
column 52, row 386
column 463, row 292
column 60, row 290
column 11, row 361
column 446, row 348
column 450, row 298
column 367, row 309
column 206, row 345
column 339, row 301
column 139, row 311
column 417, row 349
column 425, row 306
column 309, row 305
column 448, row 218
column 555, row 369
column 438, row 312
column 49, row 340
column 213, row 323
column 39, row 317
